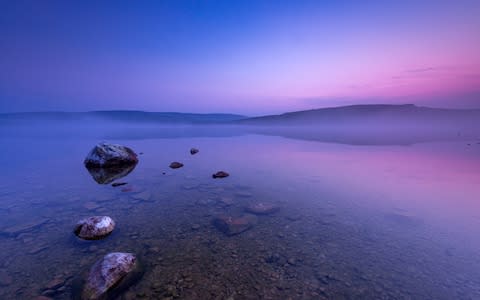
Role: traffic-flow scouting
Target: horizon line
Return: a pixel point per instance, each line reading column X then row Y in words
column 231, row 113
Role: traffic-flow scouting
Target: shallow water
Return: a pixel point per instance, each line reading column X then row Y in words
column 355, row 221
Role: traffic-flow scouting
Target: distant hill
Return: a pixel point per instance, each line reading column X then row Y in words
column 374, row 115
column 122, row 116
column 358, row 116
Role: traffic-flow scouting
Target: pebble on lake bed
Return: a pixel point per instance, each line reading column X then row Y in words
column 176, row 165
column 94, row 228
column 220, row 174
column 107, row 273
column 193, row 151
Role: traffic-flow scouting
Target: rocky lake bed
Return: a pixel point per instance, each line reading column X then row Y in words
column 255, row 234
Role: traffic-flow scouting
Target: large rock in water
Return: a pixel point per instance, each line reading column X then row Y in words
column 106, row 155
column 94, row 228
column 108, row 273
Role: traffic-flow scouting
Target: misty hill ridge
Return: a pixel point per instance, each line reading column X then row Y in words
column 369, row 114
column 123, row 116
column 357, row 115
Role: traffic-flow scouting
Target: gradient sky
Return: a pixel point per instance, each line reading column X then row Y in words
column 250, row 57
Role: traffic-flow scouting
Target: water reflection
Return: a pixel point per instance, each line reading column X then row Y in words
column 110, row 174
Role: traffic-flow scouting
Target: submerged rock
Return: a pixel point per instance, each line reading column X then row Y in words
column 230, row 225
column 94, row 228
column 110, row 174
column 193, row 151
column 128, row 189
column 5, row 279
column 91, row 205
column 403, row 219
column 24, row 227
column 143, row 196
column 225, row 201
column 176, row 165
column 220, row 174
column 108, row 273
column 106, row 155
column 262, row 208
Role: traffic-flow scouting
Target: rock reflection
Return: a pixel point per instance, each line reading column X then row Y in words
column 110, row 174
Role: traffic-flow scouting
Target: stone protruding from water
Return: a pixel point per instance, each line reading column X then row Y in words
column 220, row 174
column 94, row 228
column 176, row 165
column 231, row 225
column 262, row 208
column 107, row 273
column 106, row 155
column 193, row 151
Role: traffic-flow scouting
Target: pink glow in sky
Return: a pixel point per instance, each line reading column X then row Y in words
column 246, row 57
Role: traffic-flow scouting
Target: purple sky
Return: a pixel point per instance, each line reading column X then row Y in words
column 250, row 57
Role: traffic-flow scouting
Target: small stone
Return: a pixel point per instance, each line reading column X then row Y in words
column 195, row 226
column 176, row 165
column 94, row 228
column 291, row 261
column 193, row 151
column 220, row 174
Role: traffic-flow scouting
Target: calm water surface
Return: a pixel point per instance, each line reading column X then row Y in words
column 355, row 221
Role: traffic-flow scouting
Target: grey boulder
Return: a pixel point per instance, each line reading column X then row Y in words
column 94, row 228
column 107, row 273
column 106, row 155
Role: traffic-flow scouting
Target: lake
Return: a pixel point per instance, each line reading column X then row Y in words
column 356, row 218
